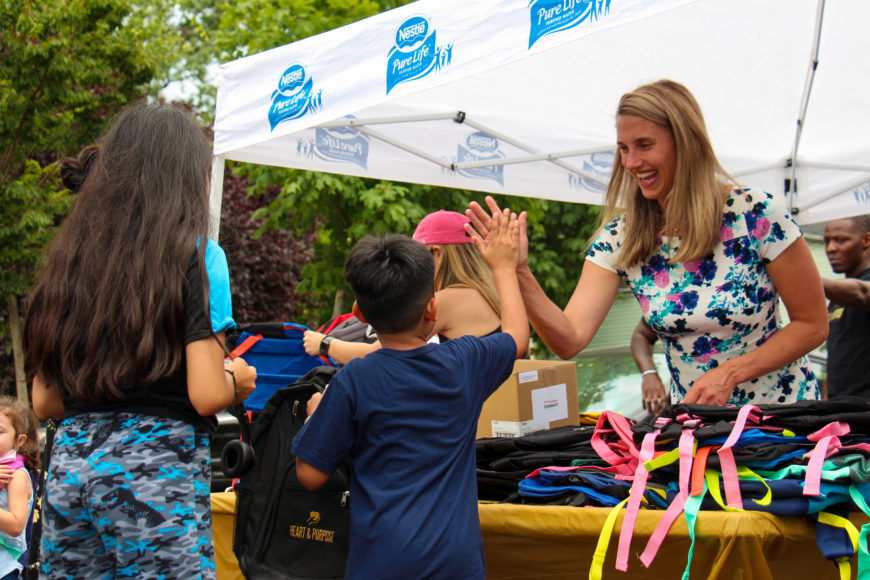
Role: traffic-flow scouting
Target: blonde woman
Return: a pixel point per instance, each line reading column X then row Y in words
column 705, row 258
column 467, row 301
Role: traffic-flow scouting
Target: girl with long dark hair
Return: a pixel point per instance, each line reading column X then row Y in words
column 125, row 341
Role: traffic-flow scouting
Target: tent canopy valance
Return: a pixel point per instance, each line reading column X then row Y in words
column 518, row 96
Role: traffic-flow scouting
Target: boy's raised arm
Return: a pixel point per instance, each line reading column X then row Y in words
column 501, row 252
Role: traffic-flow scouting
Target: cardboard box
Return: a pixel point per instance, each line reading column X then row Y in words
column 539, row 395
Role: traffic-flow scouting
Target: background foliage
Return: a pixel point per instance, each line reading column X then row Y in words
column 265, row 269
column 65, row 68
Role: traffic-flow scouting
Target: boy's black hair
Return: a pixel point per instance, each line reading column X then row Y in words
column 392, row 278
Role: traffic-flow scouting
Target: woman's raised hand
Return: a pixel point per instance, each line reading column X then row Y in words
column 481, row 222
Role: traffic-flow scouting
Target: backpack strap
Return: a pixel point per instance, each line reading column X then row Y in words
column 844, row 524
column 747, row 473
column 33, row 555
column 712, row 479
column 328, row 326
column 623, row 453
column 827, row 441
column 647, row 452
column 292, row 329
column 246, row 345
column 595, row 571
column 863, row 553
column 686, row 448
column 844, row 563
column 690, row 511
column 726, row 457
column 698, row 468
column 537, row 471
column 813, row 479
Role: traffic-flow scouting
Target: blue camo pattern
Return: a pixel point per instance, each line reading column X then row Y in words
column 128, row 496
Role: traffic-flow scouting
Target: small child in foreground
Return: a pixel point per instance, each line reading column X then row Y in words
column 21, row 453
column 406, row 415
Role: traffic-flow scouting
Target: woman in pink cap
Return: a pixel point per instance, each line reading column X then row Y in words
column 464, row 289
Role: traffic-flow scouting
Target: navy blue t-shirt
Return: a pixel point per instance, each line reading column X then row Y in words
column 408, row 420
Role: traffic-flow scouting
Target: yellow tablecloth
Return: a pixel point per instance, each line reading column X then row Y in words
column 553, row 542
column 223, row 515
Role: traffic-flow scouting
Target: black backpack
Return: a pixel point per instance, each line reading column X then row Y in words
column 283, row 531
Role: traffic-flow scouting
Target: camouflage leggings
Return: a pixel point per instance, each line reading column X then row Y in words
column 128, row 496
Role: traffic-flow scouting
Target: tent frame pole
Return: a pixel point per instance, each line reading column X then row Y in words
column 852, row 186
column 364, row 126
column 791, row 190
column 216, row 192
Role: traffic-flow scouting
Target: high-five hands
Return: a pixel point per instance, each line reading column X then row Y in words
column 481, row 223
column 500, row 248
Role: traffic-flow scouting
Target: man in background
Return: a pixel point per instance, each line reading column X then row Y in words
column 847, row 245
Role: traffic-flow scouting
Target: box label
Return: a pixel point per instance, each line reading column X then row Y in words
column 550, row 403
column 516, row 428
column 527, row 377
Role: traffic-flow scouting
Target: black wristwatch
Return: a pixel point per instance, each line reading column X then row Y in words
column 324, row 346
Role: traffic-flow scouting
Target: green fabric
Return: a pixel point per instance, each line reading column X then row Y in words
column 690, row 510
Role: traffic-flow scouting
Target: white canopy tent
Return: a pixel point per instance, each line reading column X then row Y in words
column 518, row 96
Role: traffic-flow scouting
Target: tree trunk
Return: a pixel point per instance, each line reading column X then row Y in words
column 338, row 305
column 15, row 332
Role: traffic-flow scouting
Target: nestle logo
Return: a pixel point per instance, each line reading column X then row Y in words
column 411, row 31
column 414, row 30
column 482, row 142
column 296, row 75
column 292, row 78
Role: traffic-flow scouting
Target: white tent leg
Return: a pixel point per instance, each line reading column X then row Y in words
column 808, row 86
column 216, row 192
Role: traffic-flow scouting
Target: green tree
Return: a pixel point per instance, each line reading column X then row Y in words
column 30, row 203
column 65, row 68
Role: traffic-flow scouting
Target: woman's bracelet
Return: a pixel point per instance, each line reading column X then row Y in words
column 235, row 385
column 649, row 372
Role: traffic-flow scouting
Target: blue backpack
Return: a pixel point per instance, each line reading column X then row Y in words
column 275, row 349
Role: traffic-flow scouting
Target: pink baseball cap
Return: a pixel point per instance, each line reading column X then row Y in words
column 442, row 227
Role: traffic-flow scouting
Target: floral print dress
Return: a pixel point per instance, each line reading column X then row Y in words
column 717, row 308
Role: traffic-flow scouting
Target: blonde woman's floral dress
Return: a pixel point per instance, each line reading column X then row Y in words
column 717, row 308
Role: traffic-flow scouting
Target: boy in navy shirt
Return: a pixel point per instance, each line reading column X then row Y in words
column 407, row 413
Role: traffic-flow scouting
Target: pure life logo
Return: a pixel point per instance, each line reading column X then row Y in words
column 294, row 96
column 415, row 54
column 549, row 16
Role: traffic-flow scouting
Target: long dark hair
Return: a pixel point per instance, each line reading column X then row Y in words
column 107, row 312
